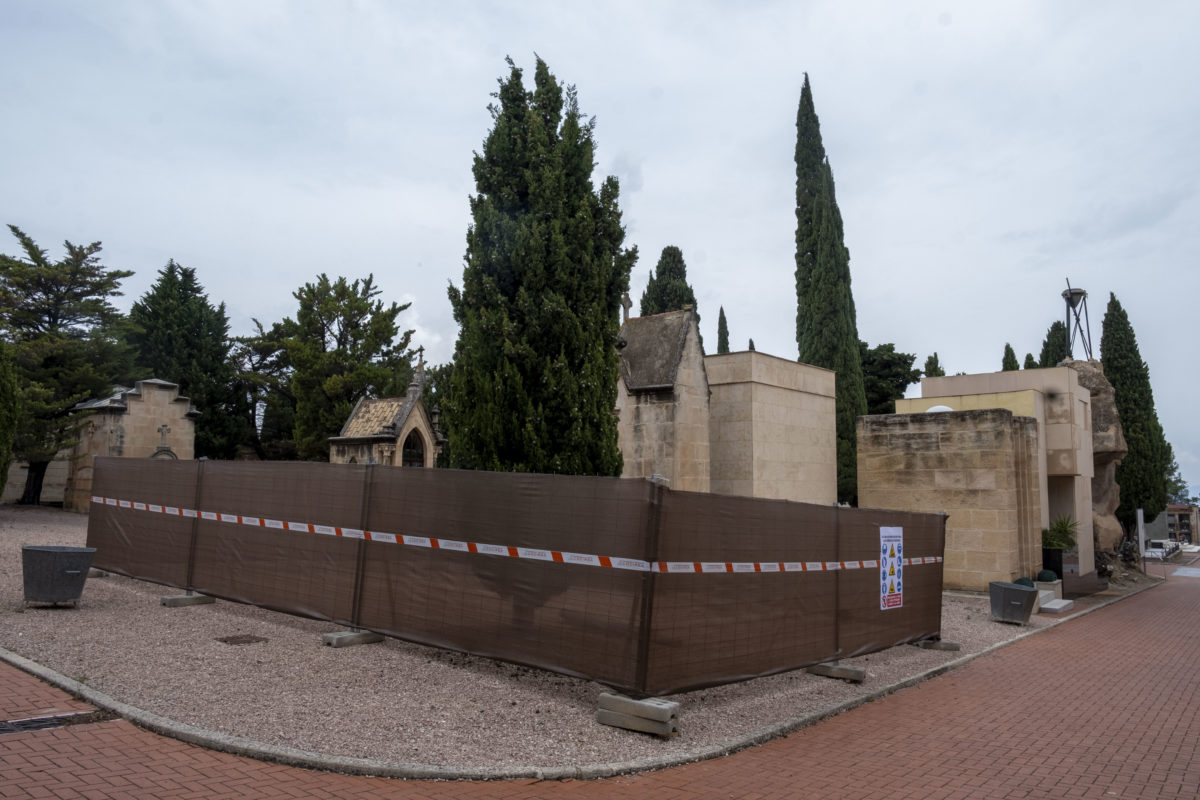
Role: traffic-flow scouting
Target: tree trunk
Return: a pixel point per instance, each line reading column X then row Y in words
column 33, row 483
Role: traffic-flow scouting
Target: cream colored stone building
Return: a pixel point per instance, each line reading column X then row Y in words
column 1060, row 408
column 397, row 431
column 980, row 467
column 742, row 423
column 150, row 420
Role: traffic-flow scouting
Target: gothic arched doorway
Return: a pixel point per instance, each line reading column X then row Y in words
column 413, row 453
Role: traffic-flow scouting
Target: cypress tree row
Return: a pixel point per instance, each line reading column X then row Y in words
column 1010, row 363
column 826, row 326
column 722, row 332
column 1142, row 474
column 533, row 381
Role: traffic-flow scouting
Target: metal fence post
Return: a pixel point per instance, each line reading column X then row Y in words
column 650, row 556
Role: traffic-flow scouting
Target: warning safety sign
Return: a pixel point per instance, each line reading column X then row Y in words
column 891, row 568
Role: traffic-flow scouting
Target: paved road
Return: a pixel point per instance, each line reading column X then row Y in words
column 1105, row 706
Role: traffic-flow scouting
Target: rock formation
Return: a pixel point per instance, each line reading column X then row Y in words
column 1108, row 448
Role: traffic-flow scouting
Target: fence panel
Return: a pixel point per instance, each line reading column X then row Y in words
column 620, row 581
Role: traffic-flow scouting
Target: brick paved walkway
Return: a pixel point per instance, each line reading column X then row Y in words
column 1105, row 706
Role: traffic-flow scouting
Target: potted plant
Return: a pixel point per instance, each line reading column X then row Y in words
column 1058, row 537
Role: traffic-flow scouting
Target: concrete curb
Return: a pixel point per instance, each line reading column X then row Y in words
column 383, row 769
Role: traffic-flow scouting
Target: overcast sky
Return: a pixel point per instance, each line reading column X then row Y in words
column 983, row 152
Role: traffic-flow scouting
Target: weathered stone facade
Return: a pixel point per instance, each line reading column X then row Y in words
column 738, row 423
column 1061, row 406
column 151, row 420
column 663, row 401
column 980, row 467
column 1108, row 448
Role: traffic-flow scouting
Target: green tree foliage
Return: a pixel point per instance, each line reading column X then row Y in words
column 1010, row 363
column 1142, row 474
column 534, row 377
column 1030, row 361
column 341, row 347
column 10, row 395
column 668, row 289
column 262, row 382
column 886, row 376
column 722, row 332
column 67, row 344
column 1054, row 346
column 933, row 367
column 179, row 336
column 826, row 325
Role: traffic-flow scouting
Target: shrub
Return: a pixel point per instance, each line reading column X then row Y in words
column 1061, row 534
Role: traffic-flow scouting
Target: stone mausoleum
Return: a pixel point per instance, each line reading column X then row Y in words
column 743, row 423
column 149, row 420
column 397, row 431
column 1003, row 454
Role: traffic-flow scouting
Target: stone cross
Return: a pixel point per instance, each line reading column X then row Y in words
column 626, row 304
column 421, row 358
column 164, row 430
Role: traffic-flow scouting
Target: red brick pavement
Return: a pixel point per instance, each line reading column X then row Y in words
column 1102, row 707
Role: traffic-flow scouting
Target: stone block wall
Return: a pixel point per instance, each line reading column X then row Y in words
column 772, row 428
column 979, row 467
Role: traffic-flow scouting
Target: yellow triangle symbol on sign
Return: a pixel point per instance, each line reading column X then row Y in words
column 892, row 570
column 892, row 587
column 892, row 554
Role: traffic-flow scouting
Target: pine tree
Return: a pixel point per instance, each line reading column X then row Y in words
column 722, row 332
column 1010, row 363
column 1142, row 474
column 67, row 344
column 343, row 345
column 1054, row 346
column 534, row 377
column 933, row 367
column 180, row 337
column 1030, row 361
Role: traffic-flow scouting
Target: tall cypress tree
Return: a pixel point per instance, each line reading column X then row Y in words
column 1030, row 361
column 722, row 332
column 533, row 381
column 1054, row 346
column 668, row 289
column 1142, row 474
column 826, row 325
column 933, row 367
column 1009, row 363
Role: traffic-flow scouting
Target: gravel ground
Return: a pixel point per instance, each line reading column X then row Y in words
column 393, row 702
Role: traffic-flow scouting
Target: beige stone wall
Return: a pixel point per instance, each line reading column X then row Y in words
column 54, row 483
column 772, row 428
column 666, row 432
column 979, row 467
column 1062, row 407
column 130, row 433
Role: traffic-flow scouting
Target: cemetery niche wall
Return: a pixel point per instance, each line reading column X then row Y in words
column 645, row 589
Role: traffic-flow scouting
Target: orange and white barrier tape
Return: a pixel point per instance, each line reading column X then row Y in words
column 559, row 556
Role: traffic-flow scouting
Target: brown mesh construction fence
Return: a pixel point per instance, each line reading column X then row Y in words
column 620, row 581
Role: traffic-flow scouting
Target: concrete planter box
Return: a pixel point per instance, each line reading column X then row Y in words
column 55, row 574
column 1050, row 586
